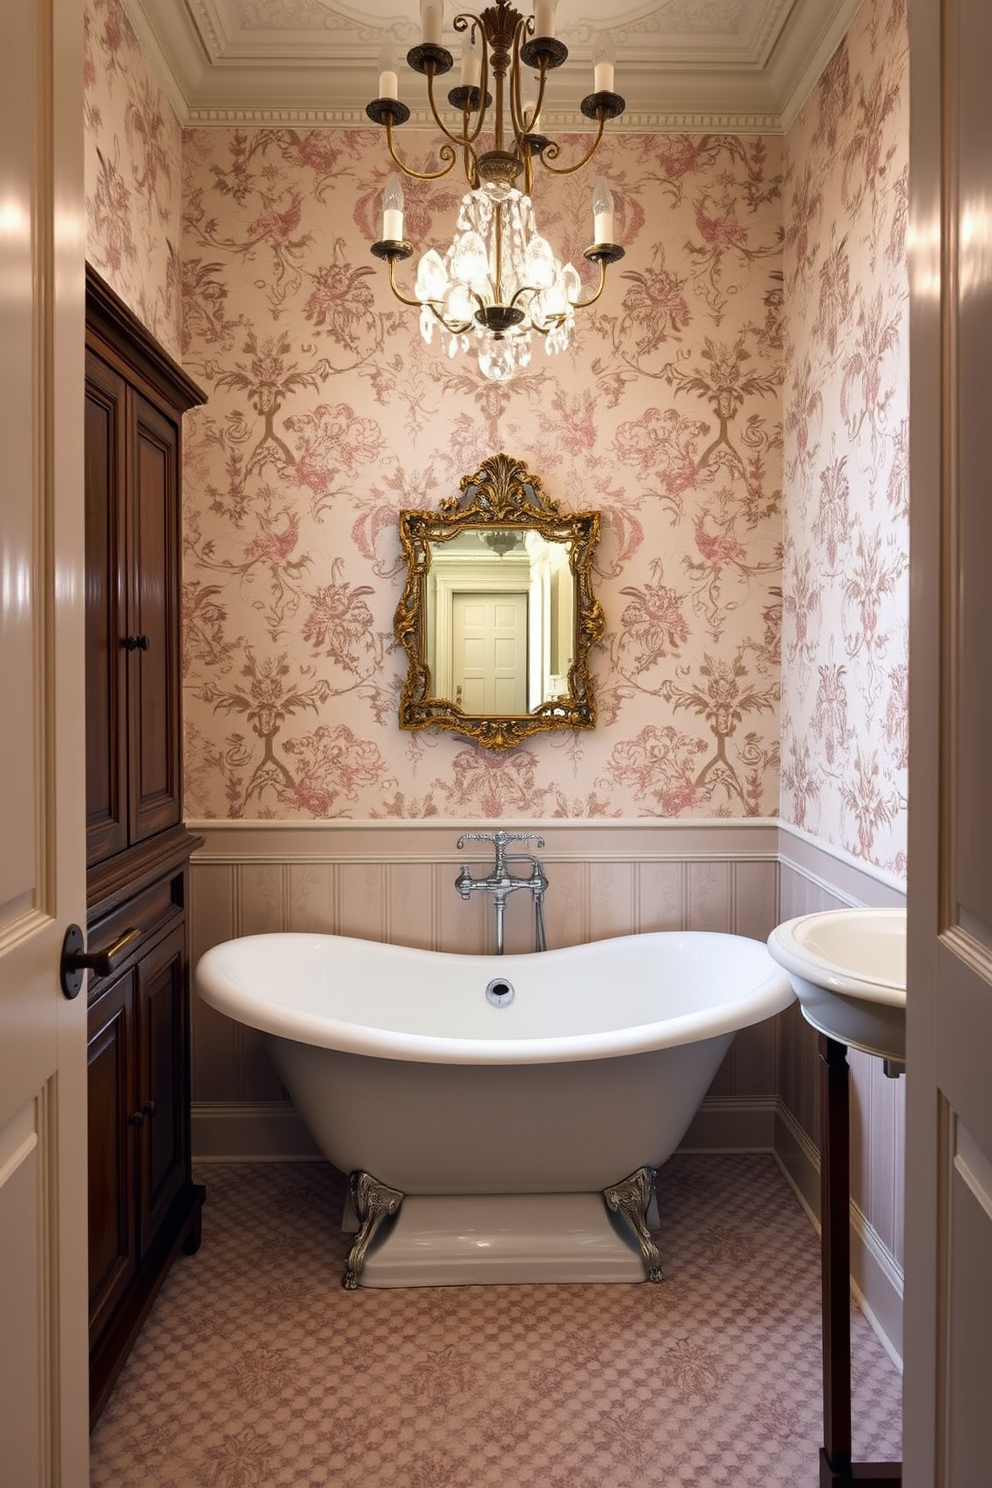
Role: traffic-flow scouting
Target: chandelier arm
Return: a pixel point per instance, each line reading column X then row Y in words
column 403, row 299
column 445, row 153
column 553, row 150
column 470, row 139
column 528, row 171
column 463, row 141
column 471, row 167
column 453, row 330
column 584, row 304
column 530, row 289
column 520, row 126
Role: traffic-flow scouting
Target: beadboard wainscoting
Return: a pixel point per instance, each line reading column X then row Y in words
column 394, row 882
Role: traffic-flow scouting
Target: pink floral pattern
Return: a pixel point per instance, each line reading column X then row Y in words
column 668, row 421
column 735, row 406
column 846, row 591
column 327, row 415
column 133, row 173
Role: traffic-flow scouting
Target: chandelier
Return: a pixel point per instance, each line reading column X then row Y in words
column 499, row 284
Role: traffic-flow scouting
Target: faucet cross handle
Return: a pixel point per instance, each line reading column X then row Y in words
column 499, row 840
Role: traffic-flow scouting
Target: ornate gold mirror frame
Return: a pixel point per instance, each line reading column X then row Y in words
column 500, row 532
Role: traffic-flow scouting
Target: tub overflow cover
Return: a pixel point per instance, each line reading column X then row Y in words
column 499, row 993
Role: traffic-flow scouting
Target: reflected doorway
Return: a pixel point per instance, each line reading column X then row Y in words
column 489, row 652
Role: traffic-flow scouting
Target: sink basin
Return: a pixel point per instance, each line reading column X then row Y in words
column 848, row 970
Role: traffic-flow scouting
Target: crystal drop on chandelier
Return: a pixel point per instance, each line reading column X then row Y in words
column 497, row 259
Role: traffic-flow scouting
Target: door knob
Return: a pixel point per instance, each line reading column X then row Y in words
column 76, row 959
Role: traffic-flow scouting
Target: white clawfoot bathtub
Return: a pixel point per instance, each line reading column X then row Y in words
column 498, row 1123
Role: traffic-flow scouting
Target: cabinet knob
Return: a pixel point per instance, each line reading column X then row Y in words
column 136, row 1118
column 76, row 960
column 136, row 643
column 149, row 1109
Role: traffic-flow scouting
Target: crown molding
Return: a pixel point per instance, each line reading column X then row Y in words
column 798, row 63
column 633, row 123
column 217, row 76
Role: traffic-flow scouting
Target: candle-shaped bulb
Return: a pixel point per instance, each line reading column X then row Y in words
column 392, row 210
column 389, row 86
column 431, row 16
column 604, row 61
column 544, row 17
column 471, row 60
column 602, row 212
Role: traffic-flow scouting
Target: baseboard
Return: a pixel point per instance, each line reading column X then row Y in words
column 876, row 1277
column 271, row 1131
column 263, row 1131
column 743, row 1125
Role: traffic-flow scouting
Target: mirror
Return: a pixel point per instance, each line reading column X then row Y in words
column 498, row 615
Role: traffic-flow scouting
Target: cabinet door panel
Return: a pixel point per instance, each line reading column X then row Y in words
column 106, row 677
column 110, row 1059
column 154, row 662
column 162, row 1082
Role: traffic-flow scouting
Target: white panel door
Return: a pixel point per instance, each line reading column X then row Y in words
column 948, row 1333
column 43, row 1220
column 489, row 653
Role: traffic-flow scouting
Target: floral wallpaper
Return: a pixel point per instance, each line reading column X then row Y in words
column 133, row 173
column 752, row 343
column 327, row 414
column 846, row 401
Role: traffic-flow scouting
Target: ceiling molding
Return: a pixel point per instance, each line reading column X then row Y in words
column 800, row 66
column 219, row 66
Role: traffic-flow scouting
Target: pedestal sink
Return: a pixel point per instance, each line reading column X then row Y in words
column 848, row 970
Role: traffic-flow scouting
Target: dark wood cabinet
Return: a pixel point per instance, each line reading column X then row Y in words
column 133, row 760
column 144, row 1206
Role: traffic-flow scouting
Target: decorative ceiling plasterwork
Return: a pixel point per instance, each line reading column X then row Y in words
column 734, row 65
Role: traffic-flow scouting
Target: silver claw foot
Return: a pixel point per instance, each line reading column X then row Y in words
column 373, row 1203
column 631, row 1197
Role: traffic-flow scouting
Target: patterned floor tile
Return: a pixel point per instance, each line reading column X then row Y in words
column 257, row 1370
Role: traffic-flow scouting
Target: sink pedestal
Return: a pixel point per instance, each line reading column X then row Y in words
column 836, row 1467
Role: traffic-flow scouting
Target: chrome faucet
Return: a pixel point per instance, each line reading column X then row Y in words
column 501, row 881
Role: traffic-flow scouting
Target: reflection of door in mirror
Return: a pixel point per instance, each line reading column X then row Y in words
column 534, row 585
column 489, row 653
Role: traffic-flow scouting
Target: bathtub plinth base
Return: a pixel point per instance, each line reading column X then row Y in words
column 374, row 1202
column 632, row 1198
column 486, row 1239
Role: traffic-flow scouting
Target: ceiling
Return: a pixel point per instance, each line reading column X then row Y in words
column 735, row 65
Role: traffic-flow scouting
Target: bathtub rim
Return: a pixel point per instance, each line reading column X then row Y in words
column 765, row 998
